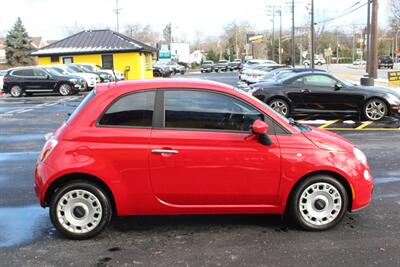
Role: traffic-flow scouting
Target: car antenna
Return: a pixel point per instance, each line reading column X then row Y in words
column 115, row 76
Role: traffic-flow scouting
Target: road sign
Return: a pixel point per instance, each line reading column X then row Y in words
column 256, row 38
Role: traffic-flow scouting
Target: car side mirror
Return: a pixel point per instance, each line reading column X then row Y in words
column 338, row 86
column 260, row 128
column 48, row 76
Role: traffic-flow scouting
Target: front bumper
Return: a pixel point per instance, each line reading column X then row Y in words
column 361, row 191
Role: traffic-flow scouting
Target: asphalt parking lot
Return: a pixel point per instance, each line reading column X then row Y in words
column 369, row 237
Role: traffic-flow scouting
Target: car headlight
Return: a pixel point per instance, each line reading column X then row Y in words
column 73, row 80
column 360, row 155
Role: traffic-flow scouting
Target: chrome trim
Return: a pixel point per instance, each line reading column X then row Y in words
column 164, row 151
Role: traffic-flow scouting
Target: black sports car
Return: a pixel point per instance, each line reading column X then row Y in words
column 318, row 92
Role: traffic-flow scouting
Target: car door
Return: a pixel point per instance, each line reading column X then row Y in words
column 22, row 77
column 204, row 154
column 42, row 80
column 321, row 94
column 293, row 89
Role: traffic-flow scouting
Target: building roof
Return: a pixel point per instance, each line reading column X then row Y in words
column 94, row 41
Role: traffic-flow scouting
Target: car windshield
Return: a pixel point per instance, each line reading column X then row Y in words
column 208, row 62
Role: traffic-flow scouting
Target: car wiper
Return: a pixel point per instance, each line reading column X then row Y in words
column 298, row 124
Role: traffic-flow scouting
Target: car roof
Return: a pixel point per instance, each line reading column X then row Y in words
column 161, row 83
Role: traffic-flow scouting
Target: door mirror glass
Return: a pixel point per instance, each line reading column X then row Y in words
column 259, row 127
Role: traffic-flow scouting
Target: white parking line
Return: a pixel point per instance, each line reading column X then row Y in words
column 20, row 110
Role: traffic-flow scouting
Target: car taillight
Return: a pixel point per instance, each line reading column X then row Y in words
column 48, row 148
column 5, row 78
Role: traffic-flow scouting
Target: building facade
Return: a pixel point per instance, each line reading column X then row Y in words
column 105, row 48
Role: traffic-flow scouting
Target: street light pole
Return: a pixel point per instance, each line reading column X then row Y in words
column 312, row 35
column 293, row 41
column 280, row 37
column 273, row 33
column 368, row 36
column 373, row 53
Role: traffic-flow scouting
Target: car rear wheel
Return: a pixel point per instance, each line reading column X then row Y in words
column 80, row 210
column 280, row 106
column 375, row 109
column 16, row 91
column 319, row 203
column 65, row 89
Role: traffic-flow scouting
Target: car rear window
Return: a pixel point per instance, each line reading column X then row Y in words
column 81, row 105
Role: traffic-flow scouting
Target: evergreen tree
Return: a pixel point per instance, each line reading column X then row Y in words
column 18, row 45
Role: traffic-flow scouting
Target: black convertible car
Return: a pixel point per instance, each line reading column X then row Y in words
column 318, row 92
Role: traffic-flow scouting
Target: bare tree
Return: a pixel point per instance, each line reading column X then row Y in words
column 142, row 33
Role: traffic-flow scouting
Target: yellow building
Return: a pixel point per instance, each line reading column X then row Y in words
column 105, row 48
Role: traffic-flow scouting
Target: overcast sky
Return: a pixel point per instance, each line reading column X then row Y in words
column 49, row 18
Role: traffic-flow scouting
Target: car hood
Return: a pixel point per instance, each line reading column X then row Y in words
column 327, row 140
column 375, row 89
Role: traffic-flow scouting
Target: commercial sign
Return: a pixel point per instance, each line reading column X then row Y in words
column 394, row 78
column 256, row 38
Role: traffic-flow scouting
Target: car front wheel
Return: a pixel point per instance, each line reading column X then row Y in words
column 16, row 91
column 375, row 110
column 80, row 210
column 319, row 203
column 65, row 89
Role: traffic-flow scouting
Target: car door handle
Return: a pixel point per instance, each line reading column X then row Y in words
column 305, row 91
column 164, row 151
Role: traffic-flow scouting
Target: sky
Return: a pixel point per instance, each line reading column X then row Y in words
column 50, row 18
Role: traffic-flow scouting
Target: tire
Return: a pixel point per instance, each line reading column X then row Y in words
column 156, row 74
column 280, row 105
column 318, row 203
column 65, row 89
column 319, row 64
column 69, row 205
column 216, row 70
column 16, row 91
column 201, row 71
column 375, row 109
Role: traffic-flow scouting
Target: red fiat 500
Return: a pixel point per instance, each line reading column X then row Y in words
column 193, row 147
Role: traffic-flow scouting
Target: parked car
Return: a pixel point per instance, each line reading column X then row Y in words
column 222, row 65
column 91, row 79
column 176, row 68
column 111, row 158
column 359, row 62
column 2, row 74
column 31, row 80
column 207, row 66
column 235, row 65
column 106, row 74
column 317, row 61
column 318, row 92
column 385, row 62
column 252, row 62
column 103, row 78
column 255, row 75
column 165, row 66
column 161, row 72
column 281, row 73
column 256, row 69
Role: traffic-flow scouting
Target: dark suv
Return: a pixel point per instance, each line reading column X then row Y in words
column 31, row 80
column 207, row 66
column 385, row 62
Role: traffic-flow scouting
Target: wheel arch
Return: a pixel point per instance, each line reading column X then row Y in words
column 59, row 182
column 332, row 174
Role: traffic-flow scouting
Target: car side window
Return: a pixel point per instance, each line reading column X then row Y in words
column 132, row 110
column 319, row 80
column 23, row 73
column 39, row 73
column 209, row 111
column 298, row 81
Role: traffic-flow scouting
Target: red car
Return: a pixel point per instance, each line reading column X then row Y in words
column 193, row 147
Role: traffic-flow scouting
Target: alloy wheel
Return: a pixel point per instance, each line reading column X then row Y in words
column 16, row 91
column 65, row 89
column 375, row 109
column 280, row 106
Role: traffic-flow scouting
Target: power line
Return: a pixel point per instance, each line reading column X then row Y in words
column 345, row 12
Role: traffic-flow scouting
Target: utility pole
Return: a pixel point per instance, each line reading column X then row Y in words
column 373, row 53
column 337, row 47
column 273, row 33
column 312, row 35
column 293, row 41
column 117, row 11
column 280, row 37
column 354, row 40
column 368, row 36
